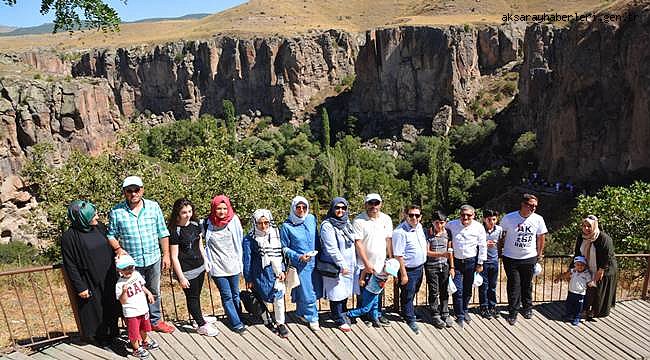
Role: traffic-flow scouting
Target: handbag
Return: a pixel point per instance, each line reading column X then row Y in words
column 291, row 280
column 327, row 269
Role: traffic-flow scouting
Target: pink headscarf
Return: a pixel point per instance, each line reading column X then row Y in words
column 213, row 211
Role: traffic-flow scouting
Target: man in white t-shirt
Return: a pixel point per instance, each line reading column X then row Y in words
column 522, row 245
column 375, row 230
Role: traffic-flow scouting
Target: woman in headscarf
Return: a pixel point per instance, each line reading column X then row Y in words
column 337, row 237
column 598, row 249
column 88, row 262
column 299, row 235
column 264, row 268
column 223, row 236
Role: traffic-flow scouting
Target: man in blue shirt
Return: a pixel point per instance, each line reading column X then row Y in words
column 488, row 290
column 137, row 227
column 410, row 249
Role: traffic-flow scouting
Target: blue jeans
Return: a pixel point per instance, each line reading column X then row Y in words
column 463, row 280
column 407, row 292
column 487, row 293
column 337, row 308
column 229, row 290
column 574, row 304
column 369, row 305
column 151, row 275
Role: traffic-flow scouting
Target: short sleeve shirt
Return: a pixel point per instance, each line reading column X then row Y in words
column 410, row 243
column 438, row 244
column 372, row 234
column 139, row 234
column 521, row 234
column 136, row 301
column 188, row 239
column 493, row 235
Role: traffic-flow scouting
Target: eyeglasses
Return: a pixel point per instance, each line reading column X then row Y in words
column 466, row 215
column 340, row 207
column 373, row 202
column 411, row 216
column 301, row 206
column 531, row 205
column 132, row 190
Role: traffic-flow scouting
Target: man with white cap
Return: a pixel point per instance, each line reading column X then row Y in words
column 376, row 231
column 137, row 228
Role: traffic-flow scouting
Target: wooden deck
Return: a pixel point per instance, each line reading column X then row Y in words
column 625, row 334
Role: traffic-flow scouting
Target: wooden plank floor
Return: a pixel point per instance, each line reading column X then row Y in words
column 625, row 334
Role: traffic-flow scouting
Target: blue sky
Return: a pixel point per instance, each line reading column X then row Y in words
column 26, row 12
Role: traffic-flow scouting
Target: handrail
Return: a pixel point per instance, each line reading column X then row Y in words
column 47, row 301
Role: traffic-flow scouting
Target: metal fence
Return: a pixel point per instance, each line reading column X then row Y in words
column 36, row 306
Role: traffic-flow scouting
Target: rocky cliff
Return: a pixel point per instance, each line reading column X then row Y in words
column 585, row 91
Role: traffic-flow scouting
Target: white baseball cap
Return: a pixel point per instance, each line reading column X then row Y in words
column 132, row 180
column 373, row 196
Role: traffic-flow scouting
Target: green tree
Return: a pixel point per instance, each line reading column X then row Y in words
column 622, row 213
column 325, row 129
column 72, row 15
column 229, row 116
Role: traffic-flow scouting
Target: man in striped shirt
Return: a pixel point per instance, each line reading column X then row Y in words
column 137, row 227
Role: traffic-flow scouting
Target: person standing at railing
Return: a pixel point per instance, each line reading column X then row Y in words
column 137, row 228
column 224, row 238
column 299, row 236
column 488, row 290
column 469, row 246
column 410, row 249
column 598, row 249
column 189, row 261
column 437, row 270
column 522, row 242
column 337, row 238
column 88, row 262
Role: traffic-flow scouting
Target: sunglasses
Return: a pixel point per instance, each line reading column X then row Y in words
column 531, row 205
column 340, row 207
column 264, row 223
column 373, row 202
column 417, row 216
column 132, row 190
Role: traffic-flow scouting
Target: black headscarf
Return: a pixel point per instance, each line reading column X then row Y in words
column 342, row 223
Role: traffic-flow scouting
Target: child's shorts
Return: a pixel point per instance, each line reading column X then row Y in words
column 137, row 324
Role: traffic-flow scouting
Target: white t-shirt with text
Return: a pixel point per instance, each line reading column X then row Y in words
column 136, row 303
column 521, row 234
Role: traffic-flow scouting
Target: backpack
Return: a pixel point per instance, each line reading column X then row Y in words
column 252, row 303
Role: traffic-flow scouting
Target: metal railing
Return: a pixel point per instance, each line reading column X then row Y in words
column 36, row 307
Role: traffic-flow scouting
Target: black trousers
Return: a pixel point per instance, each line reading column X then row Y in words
column 520, row 283
column 437, row 285
column 193, row 298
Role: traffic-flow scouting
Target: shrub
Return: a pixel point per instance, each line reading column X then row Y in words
column 19, row 254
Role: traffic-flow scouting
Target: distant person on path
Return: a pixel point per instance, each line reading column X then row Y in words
column 375, row 230
column 137, row 228
column 410, row 249
column 299, row 236
column 189, row 261
column 469, row 246
column 131, row 291
column 338, row 238
column 598, row 249
column 88, row 262
column 524, row 233
column 437, row 269
column 264, row 269
column 579, row 280
column 224, row 238
column 488, row 290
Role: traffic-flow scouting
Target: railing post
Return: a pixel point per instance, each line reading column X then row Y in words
column 72, row 295
column 646, row 279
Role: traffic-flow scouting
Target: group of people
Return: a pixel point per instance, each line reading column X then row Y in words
column 342, row 257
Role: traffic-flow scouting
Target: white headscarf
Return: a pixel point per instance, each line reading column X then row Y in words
column 268, row 242
column 293, row 218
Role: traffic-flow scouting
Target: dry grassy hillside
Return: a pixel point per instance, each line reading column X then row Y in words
column 286, row 17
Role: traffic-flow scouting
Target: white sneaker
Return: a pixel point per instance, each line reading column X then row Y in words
column 208, row 330
column 314, row 326
column 210, row 319
column 345, row 327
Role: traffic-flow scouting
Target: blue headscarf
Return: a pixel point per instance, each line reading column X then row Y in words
column 342, row 223
column 80, row 214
